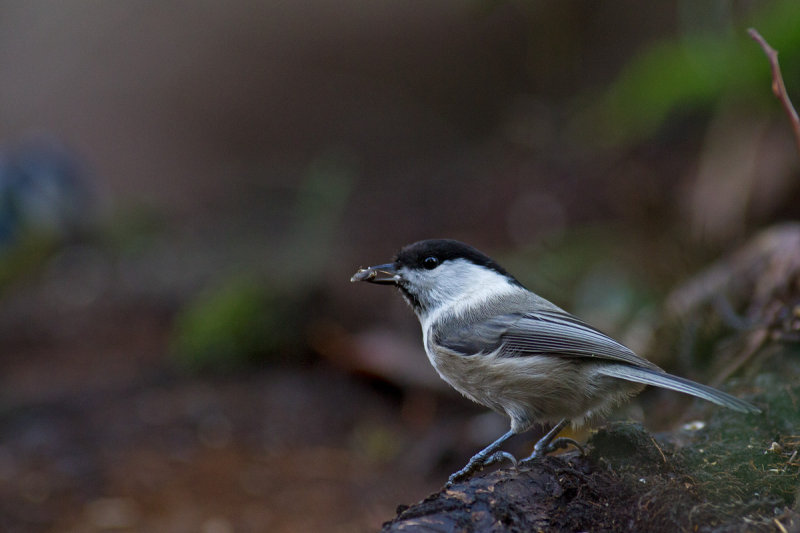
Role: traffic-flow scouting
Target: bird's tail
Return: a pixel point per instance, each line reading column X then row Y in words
column 659, row 378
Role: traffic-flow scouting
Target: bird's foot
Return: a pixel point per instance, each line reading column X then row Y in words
column 542, row 447
column 474, row 464
column 499, row 457
column 482, row 458
column 477, row 463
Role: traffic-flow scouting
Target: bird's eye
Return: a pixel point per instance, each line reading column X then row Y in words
column 430, row 262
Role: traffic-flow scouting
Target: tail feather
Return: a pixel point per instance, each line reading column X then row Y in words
column 658, row 378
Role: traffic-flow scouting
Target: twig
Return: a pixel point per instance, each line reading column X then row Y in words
column 664, row 457
column 778, row 88
column 780, row 526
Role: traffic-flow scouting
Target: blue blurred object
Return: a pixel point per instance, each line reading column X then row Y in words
column 42, row 190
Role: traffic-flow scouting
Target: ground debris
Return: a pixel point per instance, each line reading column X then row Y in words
column 629, row 481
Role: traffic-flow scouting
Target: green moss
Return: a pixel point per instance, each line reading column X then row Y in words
column 731, row 469
column 733, row 459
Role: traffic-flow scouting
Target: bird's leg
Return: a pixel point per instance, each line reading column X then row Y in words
column 479, row 459
column 549, row 443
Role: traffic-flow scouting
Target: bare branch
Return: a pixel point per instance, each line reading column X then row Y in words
column 778, row 88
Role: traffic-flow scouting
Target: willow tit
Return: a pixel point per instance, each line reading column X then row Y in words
column 506, row 348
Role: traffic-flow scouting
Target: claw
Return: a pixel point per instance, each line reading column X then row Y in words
column 564, row 442
column 499, row 457
column 549, row 443
column 476, row 463
column 480, row 459
column 557, row 444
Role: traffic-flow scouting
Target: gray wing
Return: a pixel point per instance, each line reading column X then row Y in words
column 554, row 332
column 547, row 332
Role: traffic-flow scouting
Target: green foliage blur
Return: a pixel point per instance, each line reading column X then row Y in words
column 247, row 320
column 698, row 70
column 26, row 257
column 235, row 325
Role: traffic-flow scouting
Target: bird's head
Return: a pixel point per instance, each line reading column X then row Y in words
column 438, row 272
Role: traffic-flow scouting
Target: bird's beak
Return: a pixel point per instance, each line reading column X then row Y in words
column 383, row 274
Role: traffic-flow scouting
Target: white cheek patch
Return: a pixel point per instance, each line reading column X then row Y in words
column 456, row 286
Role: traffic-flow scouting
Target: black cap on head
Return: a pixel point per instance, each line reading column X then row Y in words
column 419, row 255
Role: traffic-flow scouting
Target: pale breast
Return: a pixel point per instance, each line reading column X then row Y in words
column 531, row 389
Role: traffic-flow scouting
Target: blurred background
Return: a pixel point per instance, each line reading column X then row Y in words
column 186, row 188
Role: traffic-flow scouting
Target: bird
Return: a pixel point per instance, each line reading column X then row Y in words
column 506, row 348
